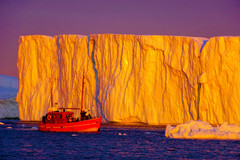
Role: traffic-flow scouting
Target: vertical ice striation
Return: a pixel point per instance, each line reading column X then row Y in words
column 130, row 78
column 52, row 65
column 220, row 91
column 147, row 78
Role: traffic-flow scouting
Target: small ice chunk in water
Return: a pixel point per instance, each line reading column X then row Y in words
column 34, row 128
column 120, row 134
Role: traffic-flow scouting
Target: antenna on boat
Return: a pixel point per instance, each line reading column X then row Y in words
column 82, row 92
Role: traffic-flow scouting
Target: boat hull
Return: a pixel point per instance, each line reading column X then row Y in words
column 92, row 125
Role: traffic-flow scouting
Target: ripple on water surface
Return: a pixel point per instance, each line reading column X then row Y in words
column 24, row 141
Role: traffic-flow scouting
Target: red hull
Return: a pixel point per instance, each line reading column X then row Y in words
column 91, row 125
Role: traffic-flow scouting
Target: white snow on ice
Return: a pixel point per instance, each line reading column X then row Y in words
column 203, row 130
column 8, row 87
column 8, row 92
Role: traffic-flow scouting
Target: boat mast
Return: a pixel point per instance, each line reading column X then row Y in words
column 51, row 105
column 82, row 92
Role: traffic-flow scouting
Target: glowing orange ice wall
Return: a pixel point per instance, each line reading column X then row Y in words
column 131, row 78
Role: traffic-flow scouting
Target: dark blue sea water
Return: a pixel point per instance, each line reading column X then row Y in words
column 24, row 141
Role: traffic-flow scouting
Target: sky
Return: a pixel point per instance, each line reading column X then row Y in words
column 198, row 18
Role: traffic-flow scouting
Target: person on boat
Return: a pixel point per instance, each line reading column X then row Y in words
column 83, row 115
column 88, row 116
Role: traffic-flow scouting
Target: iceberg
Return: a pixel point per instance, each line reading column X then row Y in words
column 203, row 130
column 131, row 78
column 8, row 87
column 8, row 92
column 8, row 108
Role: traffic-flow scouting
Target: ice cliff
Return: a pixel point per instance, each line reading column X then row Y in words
column 131, row 78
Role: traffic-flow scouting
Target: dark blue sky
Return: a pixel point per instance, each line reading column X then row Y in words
column 201, row 18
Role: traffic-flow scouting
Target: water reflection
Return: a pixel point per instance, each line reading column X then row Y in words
column 25, row 142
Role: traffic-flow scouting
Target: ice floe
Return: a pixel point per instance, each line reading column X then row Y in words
column 203, row 130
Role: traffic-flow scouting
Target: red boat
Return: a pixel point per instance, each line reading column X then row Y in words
column 61, row 121
column 66, row 122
